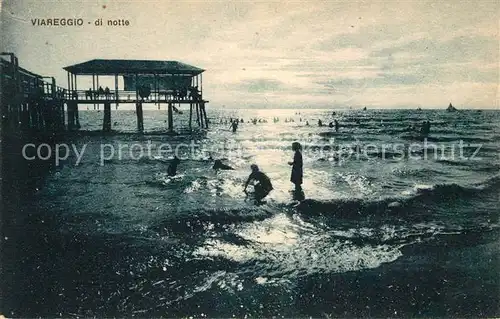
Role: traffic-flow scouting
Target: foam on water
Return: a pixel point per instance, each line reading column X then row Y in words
column 176, row 242
column 282, row 248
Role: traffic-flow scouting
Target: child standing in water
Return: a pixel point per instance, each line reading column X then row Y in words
column 296, row 177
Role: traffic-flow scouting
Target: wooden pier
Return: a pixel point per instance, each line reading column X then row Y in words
column 144, row 81
column 32, row 102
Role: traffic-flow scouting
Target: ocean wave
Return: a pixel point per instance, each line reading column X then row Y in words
column 413, row 202
column 163, row 179
column 477, row 167
column 452, row 163
column 285, row 247
column 207, row 217
column 454, row 190
column 352, row 208
column 344, row 208
column 417, row 172
column 433, row 138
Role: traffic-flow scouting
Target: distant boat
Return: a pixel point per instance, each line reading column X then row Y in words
column 419, row 109
column 364, row 109
column 451, row 108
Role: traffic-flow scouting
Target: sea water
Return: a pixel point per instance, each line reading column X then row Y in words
column 410, row 228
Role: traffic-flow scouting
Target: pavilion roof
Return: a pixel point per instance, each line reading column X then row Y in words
column 120, row 67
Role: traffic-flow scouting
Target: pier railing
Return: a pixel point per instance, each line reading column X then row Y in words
column 122, row 96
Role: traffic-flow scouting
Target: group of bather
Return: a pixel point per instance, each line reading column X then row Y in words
column 424, row 128
column 262, row 185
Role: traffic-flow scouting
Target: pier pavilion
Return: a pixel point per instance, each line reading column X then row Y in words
column 144, row 81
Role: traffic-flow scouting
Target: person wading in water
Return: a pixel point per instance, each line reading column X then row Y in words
column 297, row 172
column 263, row 186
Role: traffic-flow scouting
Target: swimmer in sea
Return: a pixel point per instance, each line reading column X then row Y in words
column 234, row 125
column 219, row 165
column 172, row 168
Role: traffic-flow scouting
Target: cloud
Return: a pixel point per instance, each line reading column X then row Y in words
column 261, row 85
column 284, row 53
column 459, row 49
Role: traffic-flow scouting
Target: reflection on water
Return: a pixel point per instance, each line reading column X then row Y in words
column 132, row 240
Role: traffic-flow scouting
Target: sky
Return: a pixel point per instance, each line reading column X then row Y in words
column 274, row 54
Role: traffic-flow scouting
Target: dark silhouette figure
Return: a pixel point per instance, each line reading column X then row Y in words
column 219, row 165
column 194, row 93
column 330, row 124
column 426, row 128
column 172, row 168
column 263, row 186
column 336, row 125
column 100, row 92
column 107, row 93
column 234, row 125
column 297, row 171
column 89, row 94
column 307, row 123
column 298, row 194
column 320, row 123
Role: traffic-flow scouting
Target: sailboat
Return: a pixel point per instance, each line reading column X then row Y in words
column 451, row 108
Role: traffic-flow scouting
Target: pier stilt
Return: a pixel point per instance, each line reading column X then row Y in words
column 202, row 125
column 140, row 116
column 190, row 116
column 197, row 113
column 25, row 117
column 77, row 117
column 50, row 116
column 202, row 105
column 35, row 116
column 106, row 124
column 41, row 114
column 40, row 111
column 170, row 118
column 62, row 116
column 71, row 116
